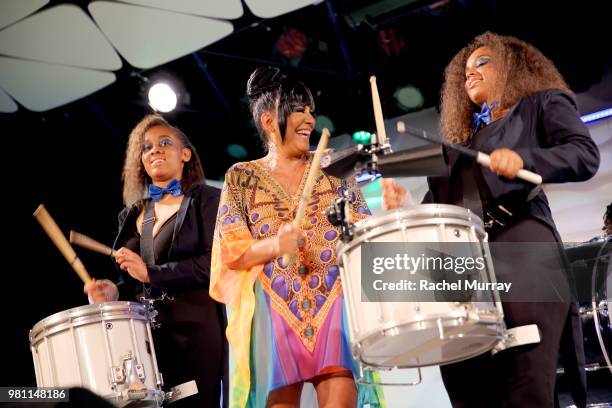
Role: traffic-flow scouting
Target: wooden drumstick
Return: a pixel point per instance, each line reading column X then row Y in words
column 310, row 180
column 481, row 158
column 378, row 115
column 60, row 241
column 91, row 244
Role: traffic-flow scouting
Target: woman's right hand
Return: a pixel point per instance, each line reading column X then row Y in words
column 394, row 196
column 287, row 240
column 100, row 291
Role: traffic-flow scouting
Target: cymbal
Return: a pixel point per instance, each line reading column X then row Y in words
column 415, row 162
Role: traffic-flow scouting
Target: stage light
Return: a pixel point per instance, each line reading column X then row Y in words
column 162, row 97
column 362, row 137
column 409, row 97
column 591, row 117
column 237, row 151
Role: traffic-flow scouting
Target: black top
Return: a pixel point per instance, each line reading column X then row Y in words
column 545, row 130
column 161, row 241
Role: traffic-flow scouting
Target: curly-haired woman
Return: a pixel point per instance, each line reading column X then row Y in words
column 503, row 97
column 164, row 244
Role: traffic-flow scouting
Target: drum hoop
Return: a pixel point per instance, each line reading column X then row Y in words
column 88, row 314
column 152, row 394
column 429, row 324
column 426, row 322
column 419, row 212
column 379, row 230
column 39, row 335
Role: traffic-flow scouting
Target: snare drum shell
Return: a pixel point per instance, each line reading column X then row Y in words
column 79, row 347
column 381, row 331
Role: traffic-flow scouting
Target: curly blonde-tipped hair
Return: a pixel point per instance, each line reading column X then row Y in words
column 135, row 179
column 523, row 70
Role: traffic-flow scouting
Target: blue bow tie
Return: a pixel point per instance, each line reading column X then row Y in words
column 483, row 117
column 173, row 188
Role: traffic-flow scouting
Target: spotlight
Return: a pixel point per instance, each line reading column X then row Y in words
column 162, row 97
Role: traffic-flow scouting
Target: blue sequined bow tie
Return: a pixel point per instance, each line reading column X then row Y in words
column 173, row 188
column 483, row 117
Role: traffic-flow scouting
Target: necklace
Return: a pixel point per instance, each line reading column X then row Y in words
column 271, row 166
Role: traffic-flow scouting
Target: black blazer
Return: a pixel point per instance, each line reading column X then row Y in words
column 545, row 130
column 191, row 246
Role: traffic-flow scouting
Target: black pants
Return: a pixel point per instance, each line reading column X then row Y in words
column 523, row 376
column 190, row 345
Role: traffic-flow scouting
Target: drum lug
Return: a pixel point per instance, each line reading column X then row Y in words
column 117, row 375
column 134, row 374
column 140, row 371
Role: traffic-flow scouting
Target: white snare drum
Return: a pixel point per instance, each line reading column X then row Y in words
column 418, row 334
column 104, row 347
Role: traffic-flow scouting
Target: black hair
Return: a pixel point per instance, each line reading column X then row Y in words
column 608, row 215
column 269, row 90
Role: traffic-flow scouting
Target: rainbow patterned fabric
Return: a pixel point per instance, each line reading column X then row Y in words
column 287, row 322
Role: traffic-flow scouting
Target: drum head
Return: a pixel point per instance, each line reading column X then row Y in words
column 418, row 344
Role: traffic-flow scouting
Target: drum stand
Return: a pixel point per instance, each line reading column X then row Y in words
column 363, row 368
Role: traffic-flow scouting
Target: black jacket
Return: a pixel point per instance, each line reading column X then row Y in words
column 545, row 130
column 191, row 246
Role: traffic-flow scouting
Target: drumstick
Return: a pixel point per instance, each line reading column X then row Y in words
column 310, row 180
column 481, row 158
column 89, row 243
column 60, row 241
column 378, row 115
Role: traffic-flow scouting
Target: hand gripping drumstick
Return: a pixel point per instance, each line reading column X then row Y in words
column 378, row 115
column 312, row 174
column 91, row 244
column 481, row 158
column 60, row 241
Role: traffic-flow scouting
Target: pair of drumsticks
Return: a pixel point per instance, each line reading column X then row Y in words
column 53, row 231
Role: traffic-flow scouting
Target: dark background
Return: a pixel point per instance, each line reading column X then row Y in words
column 70, row 158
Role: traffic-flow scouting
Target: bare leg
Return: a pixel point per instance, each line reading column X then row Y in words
column 285, row 397
column 337, row 391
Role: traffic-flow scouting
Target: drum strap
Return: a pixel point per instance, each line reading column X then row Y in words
column 146, row 240
column 146, row 235
column 471, row 196
column 494, row 215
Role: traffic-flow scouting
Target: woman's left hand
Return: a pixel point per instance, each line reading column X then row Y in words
column 133, row 264
column 506, row 162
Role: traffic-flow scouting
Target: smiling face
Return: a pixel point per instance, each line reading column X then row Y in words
column 481, row 76
column 300, row 123
column 163, row 155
